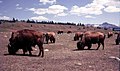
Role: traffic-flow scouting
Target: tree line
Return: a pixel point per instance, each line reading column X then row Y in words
column 39, row 22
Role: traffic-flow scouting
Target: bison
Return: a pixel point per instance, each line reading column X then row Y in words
column 60, row 32
column 78, row 35
column 110, row 34
column 25, row 39
column 118, row 39
column 50, row 36
column 90, row 38
column 68, row 32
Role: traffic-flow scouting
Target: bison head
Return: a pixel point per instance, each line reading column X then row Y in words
column 76, row 38
column 11, row 49
column 80, row 45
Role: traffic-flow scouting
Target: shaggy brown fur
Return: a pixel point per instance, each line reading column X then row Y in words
column 25, row 39
column 50, row 36
column 90, row 38
column 110, row 34
column 78, row 35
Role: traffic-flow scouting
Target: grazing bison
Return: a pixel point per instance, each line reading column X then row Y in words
column 78, row 35
column 68, row 32
column 50, row 36
column 90, row 38
column 25, row 39
column 110, row 34
column 60, row 32
column 118, row 39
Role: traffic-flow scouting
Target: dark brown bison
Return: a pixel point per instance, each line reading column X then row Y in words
column 90, row 38
column 78, row 35
column 110, row 34
column 118, row 39
column 25, row 39
column 68, row 32
column 60, row 32
column 50, row 36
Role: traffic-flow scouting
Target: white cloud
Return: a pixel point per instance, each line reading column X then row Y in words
column 54, row 9
column 96, row 7
column 1, row 1
column 112, row 9
column 17, row 4
column 92, row 8
column 39, row 11
column 112, row 6
column 4, row 18
column 115, row 3
column 48, row 1
column 88, row 16
column 19, row 8
column 39, row 18
column 61, row 14
column 31, row 9
column 100, row 2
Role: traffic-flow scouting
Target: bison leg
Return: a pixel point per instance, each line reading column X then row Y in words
column 103, row 45
column 47, row 40
column 77, row 38
column 89, row 46
column 30, row 52
column 41, row 50
column 24, row 50
column 30, row 49
column 117, row 42
column 40, row 45
column 74, row 38
column 53, row 40
column 98, row 46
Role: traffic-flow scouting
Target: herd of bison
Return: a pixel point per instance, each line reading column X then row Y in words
column 47, row 47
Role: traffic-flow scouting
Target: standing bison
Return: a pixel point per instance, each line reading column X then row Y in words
column 118, row 39
column 25, row 39
column 78, row 35
column 110, row 34
column 50, row 36
column 90, row 38
column 60, row 32
column 68, row 32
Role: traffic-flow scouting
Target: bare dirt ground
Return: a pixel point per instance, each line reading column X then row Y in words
column 59, row 56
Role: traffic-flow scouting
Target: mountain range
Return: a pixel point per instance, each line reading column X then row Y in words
column 108, row 25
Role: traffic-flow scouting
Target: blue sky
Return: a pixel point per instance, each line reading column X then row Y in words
column 84, row 11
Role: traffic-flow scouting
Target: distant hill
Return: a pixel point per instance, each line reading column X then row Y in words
column 107, row 25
